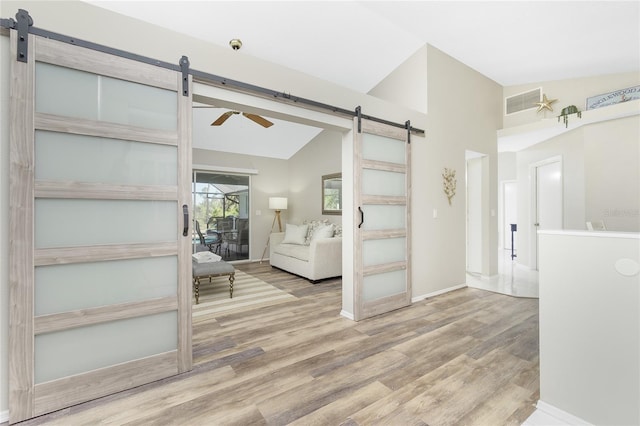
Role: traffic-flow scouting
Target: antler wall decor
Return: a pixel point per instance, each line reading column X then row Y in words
column 449, row 183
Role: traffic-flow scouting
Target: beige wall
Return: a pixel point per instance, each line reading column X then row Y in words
column 612, row 174
column 406, row 85
column 567, row 92
column 464, row 113
column 322, row 156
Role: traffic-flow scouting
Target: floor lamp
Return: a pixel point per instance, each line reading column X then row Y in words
column 278, row 204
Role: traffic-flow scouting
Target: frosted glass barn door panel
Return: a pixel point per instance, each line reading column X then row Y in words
column 382, row 278
column 106, row 270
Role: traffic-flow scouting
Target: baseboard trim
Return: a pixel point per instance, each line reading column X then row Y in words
column 561, row 416
column 437, row 293
column 4, row 416
column 347, row 315
column 489, row 277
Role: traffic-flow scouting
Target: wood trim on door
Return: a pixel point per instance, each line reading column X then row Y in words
column 367, row 309
column 21, row 234
column 26, row 398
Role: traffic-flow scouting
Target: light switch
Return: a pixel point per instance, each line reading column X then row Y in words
column 435, row 213
column 493, row 213
column 258, row 212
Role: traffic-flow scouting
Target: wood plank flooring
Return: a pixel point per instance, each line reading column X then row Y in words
column 469, row 357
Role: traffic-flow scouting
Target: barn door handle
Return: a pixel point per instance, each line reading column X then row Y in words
column 185, row 215
column 361, row 217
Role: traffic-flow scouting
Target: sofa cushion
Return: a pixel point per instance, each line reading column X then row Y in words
column 313, row 225
column 296, row 251
column 322, row 232
column 295, row 234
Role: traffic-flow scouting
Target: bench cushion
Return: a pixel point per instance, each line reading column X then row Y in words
column 212, row 268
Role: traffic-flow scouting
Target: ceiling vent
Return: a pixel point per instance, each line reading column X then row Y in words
column 522, row 101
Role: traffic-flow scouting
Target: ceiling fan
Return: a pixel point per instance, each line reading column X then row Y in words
column 253, row 117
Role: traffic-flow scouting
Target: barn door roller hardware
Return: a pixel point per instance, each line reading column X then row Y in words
column 24, row 25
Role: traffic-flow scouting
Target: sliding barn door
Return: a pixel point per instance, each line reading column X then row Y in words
column 382, row 209
column 100, row 294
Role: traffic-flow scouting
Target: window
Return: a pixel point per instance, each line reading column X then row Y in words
column 221, row 208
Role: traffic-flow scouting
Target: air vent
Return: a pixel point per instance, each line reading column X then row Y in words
column 522, row 101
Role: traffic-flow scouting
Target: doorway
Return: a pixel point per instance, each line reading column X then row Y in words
column 509, row 214
column 477, row 191
column 221, row 211
column 547, row 200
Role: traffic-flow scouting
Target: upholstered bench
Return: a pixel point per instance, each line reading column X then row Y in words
column 210, row 270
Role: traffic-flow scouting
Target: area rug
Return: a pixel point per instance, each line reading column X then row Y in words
column 248, row 293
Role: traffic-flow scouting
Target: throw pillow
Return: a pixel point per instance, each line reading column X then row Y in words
column 323, row 232
column 295, row 234
column 313, row 225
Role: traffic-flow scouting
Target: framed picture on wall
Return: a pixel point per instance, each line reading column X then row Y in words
column 332, row 194
column 615, row 97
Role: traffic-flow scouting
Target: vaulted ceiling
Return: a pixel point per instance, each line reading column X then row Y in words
column 511, row 42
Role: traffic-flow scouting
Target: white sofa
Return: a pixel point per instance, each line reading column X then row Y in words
column 320, row 259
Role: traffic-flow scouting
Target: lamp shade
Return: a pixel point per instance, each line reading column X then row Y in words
column 278, row 203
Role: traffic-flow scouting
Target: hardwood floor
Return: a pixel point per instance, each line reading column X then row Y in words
column 469, row 357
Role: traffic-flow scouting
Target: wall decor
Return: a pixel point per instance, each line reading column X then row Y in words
column 545, row 103
column 571, row 109
column 449, row 182
column 612, row 98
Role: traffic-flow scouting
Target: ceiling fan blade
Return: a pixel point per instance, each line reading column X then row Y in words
column 223, row 118
column 260, row 120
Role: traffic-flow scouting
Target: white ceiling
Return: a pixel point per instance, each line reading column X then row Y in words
column 242, row 136
column 357, row 44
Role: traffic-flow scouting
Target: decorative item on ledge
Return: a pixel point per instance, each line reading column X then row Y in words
column 449, row 183
column 545, row 103
column 571, row 109
column 615, row 97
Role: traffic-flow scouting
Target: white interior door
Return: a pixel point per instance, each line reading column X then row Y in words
column 382, row 217
column 548, row 199
column 100, row 275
